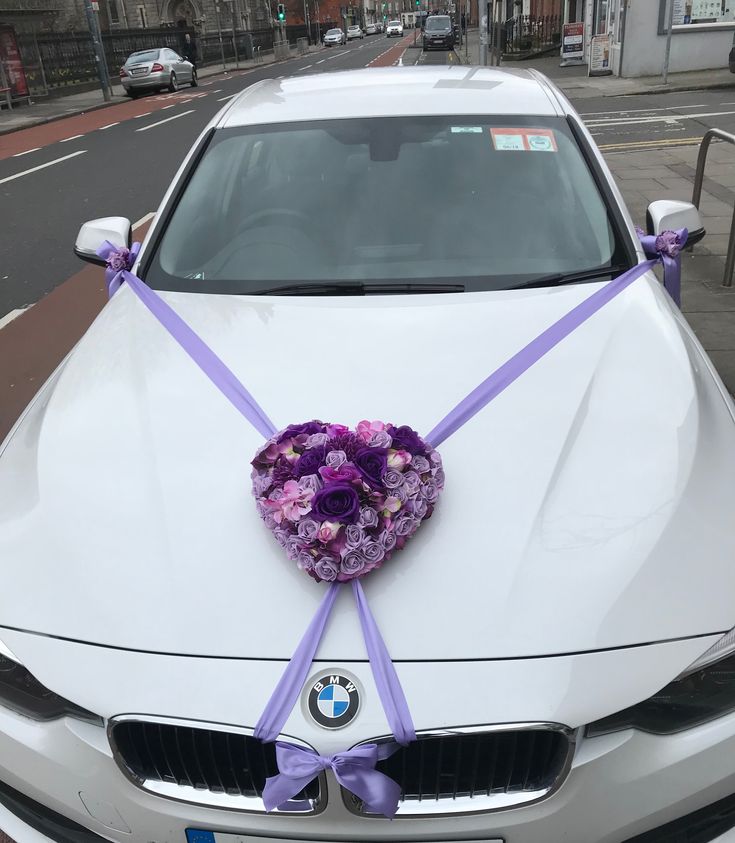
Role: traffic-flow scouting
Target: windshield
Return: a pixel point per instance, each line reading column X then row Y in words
column 334, row 32
column 394, row 23
column 487, row 203
column 438, row 23
column 146, row 55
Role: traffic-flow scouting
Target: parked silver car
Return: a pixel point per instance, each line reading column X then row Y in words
column 371, row 29
column 334, row 37
column 354, row 32
column 153, row 70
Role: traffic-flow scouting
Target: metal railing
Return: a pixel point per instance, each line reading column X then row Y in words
column 697, row 195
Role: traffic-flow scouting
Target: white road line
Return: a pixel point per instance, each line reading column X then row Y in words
column 138, row 116
column 321, row 61
column 173, row 105
column 167, row 120
column 222, row 99
column 306, row 67
column 634, row 121
column 73, row 137
column 42, row 166
column 144, row 219
column 218, row 91
column 18, row 154
column 657, row 108
column 109, row 126
column 14, row 314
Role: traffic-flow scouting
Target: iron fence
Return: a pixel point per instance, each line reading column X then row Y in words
column 527, row 35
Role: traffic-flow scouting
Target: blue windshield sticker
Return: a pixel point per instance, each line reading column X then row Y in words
column 466, row 130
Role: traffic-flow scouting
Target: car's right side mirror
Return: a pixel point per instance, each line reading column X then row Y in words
column 94, row 233
column 670, row 214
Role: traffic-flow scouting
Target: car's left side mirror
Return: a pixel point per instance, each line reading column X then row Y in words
column 670, row 214
column 94, row 233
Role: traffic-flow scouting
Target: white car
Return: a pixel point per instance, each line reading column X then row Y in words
column 334, row 37
column 371, row 29
column 560, row 627
column 354, row 32
column 393, row 27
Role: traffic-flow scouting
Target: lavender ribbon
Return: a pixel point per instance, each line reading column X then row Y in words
column 667, row 246
column 353, row 769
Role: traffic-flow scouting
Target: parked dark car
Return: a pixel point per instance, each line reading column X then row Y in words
column 438, row 32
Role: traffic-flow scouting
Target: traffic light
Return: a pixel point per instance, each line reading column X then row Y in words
column 281, row 12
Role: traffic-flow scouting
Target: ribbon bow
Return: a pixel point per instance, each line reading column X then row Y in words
column 353, row 769
column 667, row 247
column 119, row 260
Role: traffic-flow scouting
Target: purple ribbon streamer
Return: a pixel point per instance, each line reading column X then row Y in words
column 353, row 769
column 284, row 697
column 220, row 375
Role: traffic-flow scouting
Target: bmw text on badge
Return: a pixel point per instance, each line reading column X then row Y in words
column 333, row 700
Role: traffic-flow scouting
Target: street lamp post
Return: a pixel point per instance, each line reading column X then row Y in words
column 669, row 28
column 219, row 33
column 99, row 53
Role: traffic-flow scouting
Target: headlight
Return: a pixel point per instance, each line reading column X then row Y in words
column 703, row 692
column 22, row 692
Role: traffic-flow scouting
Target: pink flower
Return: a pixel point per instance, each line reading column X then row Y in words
column 365, row 429
column 398, row 459
column 294, row 502
column 391, row 506
column 337, row 430
column 328, row 531
column 346, row 473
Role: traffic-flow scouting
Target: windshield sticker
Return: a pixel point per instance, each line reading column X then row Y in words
column 525, row 140
column 464, row 130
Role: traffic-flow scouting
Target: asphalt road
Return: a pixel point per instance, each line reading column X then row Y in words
column 119, row 160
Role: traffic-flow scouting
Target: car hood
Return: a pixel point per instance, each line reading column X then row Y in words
column 585, row 508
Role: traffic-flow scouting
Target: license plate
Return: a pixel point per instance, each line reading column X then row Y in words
column 140, row 72
column 196, row 835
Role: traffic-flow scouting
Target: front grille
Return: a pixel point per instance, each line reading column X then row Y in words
column 207, row 760
column 490, row 770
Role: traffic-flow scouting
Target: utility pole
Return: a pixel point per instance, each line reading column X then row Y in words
column 99, row 53
column 219, row 33
column 669, row 28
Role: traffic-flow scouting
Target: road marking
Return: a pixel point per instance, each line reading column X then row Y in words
column 144, row 114
column 109, row 126
column 18, row 154
column 42, row 166
column 306, row 67
column 658, row 108
column 229, row 97
column 218, row 91
column 321, row 61
column 144, row 219
column 167, row 120
column 635, row 121
column 14, row 314
column 73, row 137
column 173, row 105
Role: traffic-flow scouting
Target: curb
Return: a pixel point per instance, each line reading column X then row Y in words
column 671, row 89
column 118, row 99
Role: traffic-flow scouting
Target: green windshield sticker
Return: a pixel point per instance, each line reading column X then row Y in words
column 466, row 130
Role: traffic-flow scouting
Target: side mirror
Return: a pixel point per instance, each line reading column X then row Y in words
column 669, row 214
column 94, row 233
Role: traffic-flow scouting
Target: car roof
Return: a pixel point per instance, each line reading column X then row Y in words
column 393, row 92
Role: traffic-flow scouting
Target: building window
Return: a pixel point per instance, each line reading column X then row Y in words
column 114, row 13
column 142, row 18
column 694, row 14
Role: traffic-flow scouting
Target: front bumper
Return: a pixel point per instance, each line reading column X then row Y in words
column 619, row 785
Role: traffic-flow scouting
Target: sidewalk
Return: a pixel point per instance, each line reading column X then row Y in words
column 47, row 109
column 577, row 85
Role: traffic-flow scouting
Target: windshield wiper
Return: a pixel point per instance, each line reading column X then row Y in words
column 558, row 278
column 319, row 288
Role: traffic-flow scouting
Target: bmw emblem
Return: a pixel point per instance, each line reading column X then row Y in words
column 333, row 700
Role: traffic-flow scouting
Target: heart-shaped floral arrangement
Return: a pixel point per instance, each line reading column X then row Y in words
column 341, row 502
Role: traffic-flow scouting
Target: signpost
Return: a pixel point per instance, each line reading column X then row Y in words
column 572, row 44
column 600, row 56
column 99, row 53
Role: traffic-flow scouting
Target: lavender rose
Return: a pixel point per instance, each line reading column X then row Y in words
column 119, row 260
column 412, row 482
column 308, row 529
column 373, row 552
column 420, row 508
column 354, row 535
column 406, row 525
column 311, row 481
column 420, row 464
column 388, row 540
column 352, row 563
column 336, row 502
column 326, row 568
column 305, row 561
column 368, row 517
column 380, row 439
column 335, row 459
column 372, row 463
column 431, row 491
column 392, row 479
column 317, row 439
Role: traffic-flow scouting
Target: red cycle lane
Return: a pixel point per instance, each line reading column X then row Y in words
column 393, row 54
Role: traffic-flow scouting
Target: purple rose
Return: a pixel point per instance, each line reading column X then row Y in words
column 336, row 502
column 261, row 483
column 293, row 546
column 354, row 535
column 430, row 491
column 353, row 562
column 406, row 525
column 420, row 508
column 372, row 463
column 411, row 481
column 335, row 459
column 307, row 529
column 668, row 243
column 119, row 260
column 421, row 464
column 439, row 477
column 326, row 568
column 368, row 517
column 380, row 439
column 305, row 561
column 310, row 461
column 388, row 540
column 392, row 479
column 300, row 429
column 401, row 493
column 311, row 481
column 373, row 552
column 282, row 536
column 406, row 439
column 317, row 439
column 435, row 457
